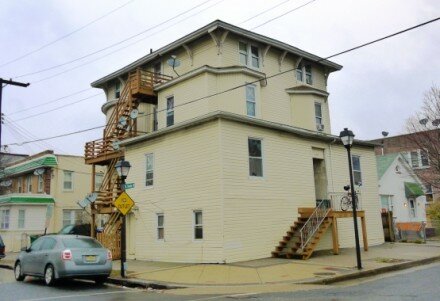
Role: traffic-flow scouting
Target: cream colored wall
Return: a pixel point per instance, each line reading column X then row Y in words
column 186, row 177
column 303, row 111
column 288, row 183
column 81, row 186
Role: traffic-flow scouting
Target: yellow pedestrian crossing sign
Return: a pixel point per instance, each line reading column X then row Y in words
column 124, row 203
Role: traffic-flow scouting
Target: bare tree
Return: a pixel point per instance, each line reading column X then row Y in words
column 424, row 126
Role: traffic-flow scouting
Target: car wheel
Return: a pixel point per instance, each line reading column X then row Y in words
column 100, row 280
column 49, row 275
column 18, row 273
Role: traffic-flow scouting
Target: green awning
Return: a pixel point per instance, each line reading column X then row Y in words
column 29, row 165
column 26, row 199
column 413, row 190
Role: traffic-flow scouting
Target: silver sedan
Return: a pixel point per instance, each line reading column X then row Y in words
column 64, row 256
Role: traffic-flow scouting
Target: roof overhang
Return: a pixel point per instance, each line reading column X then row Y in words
column 29, row 199
column 205, row 31
column 25, row 166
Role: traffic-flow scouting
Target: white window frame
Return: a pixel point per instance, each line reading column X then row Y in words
column 196, row 226
column 308, row 74
column 72, row 216
column 5, row 215
column 415, row 156
column 251, row 157
column 29, row 183
column 169, row 112
column 412, row 209
column 355, row 170
column 65, row 172
column 117, row 89
column 147, row 156
column 21, row 219
column 250, row 101
column 318, row 119
column 249, row 55
column 305, row 72
column 40, row 183
column 160, row 227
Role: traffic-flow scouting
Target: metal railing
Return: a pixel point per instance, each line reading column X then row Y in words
column 313, row 223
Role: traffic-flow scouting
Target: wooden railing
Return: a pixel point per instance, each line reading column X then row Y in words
column 143, row 79
column 96, row 148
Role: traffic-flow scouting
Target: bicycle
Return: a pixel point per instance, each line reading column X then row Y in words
column 346, row 200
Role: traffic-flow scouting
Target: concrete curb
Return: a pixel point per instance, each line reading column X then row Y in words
column 130, row 282
column 6, row 266
column 373, row 272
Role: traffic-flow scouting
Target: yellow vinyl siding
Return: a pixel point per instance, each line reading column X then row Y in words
column 186, row 178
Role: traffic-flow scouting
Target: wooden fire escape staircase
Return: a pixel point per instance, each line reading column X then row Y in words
column 121, row 124
column 303, row 236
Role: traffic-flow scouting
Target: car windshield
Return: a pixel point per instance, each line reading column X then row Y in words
column 1, row 241
column 76, row 242
column 66, row 229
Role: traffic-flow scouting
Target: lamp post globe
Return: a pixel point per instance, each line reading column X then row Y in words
column 347, row 137
column 122, row 168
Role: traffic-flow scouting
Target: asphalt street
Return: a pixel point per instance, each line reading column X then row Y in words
column 414, row 284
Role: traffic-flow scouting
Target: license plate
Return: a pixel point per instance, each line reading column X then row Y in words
column 90, row 258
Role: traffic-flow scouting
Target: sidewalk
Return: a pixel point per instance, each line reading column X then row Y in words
column 322, row 268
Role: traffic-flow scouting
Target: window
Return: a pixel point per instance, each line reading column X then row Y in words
column 299, row 73
column 160, row 226
column 255, row 158
column 157, row 69
column 419, row 158
column 412, row 208
column 170, row 111
column 254, row 59
column 40, row 183
column 48, row 244
column 308, row 74
column 357, row 174
column 387, row 202
column 149, row 170
column 19, row 187
column 4, row 219
column 99, row 177
column 117, row 89
column 29, row 184
column 250, row 100
column 318, row 113
column 68, row 180
column 198, row 224
column 21, row 218
column 71, row 217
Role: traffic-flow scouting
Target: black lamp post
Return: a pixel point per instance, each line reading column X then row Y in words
column 122, row 168
column 347, row 138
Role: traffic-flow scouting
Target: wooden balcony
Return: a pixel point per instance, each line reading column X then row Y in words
column 142, row 84
column 100, row 152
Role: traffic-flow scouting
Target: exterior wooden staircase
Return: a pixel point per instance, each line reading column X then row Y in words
column 121, row 125
column 304, row 235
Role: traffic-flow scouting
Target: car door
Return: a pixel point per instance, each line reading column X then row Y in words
column 28, row 259
column 43, row 255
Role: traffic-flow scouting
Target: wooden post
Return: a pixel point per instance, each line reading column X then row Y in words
column 364, row 232
column 335, row 236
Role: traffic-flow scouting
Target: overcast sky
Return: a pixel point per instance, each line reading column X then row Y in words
column 378, row 88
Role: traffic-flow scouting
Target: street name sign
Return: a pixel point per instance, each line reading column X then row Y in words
column 129, row 185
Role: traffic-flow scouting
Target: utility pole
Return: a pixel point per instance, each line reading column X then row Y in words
column 7, row 82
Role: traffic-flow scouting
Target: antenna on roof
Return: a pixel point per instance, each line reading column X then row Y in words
column 173, row 62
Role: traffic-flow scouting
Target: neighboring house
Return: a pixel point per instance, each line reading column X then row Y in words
column 400, row 190
column 41, row 195
column 417, row 158
column 220, row 177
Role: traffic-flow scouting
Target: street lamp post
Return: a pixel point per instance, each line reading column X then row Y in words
column 122, row 168
column 347, row 138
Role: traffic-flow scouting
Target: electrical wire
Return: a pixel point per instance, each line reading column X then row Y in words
column 248, row 83
column 64, row 36
column 263, row 12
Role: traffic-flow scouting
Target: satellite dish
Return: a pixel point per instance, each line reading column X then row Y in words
column 39, row 171
column 423, row 121
column 134, row 114
column 122, row 121
column 436, row 122
column 173, row 62
column 115, row 145
column 384, row 133
column 6, row 183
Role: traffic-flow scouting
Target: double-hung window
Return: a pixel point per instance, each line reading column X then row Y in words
column 198, row 224
column 304, row 69
column 255, row 158
column 68, row 180
column 308, row 69
column 249, row 55
column 21, row 218
column 19, row 185
column 170, row 111
column 4, row 219
column 160, row 226
column 29, row 184
column 419, row 158
column 357, row 173
column 149, row 170
column 117, row 89
column 71, row 217
column 40, row 183
column 412, row 208
column 299, row 73
column 318, row 114
column 250, row 100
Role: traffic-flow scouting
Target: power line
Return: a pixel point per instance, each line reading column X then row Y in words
column 263, row 12
column 248, row 83
column 114, row 44
column 65, row 36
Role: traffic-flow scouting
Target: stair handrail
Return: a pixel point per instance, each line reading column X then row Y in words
column 313, row 223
